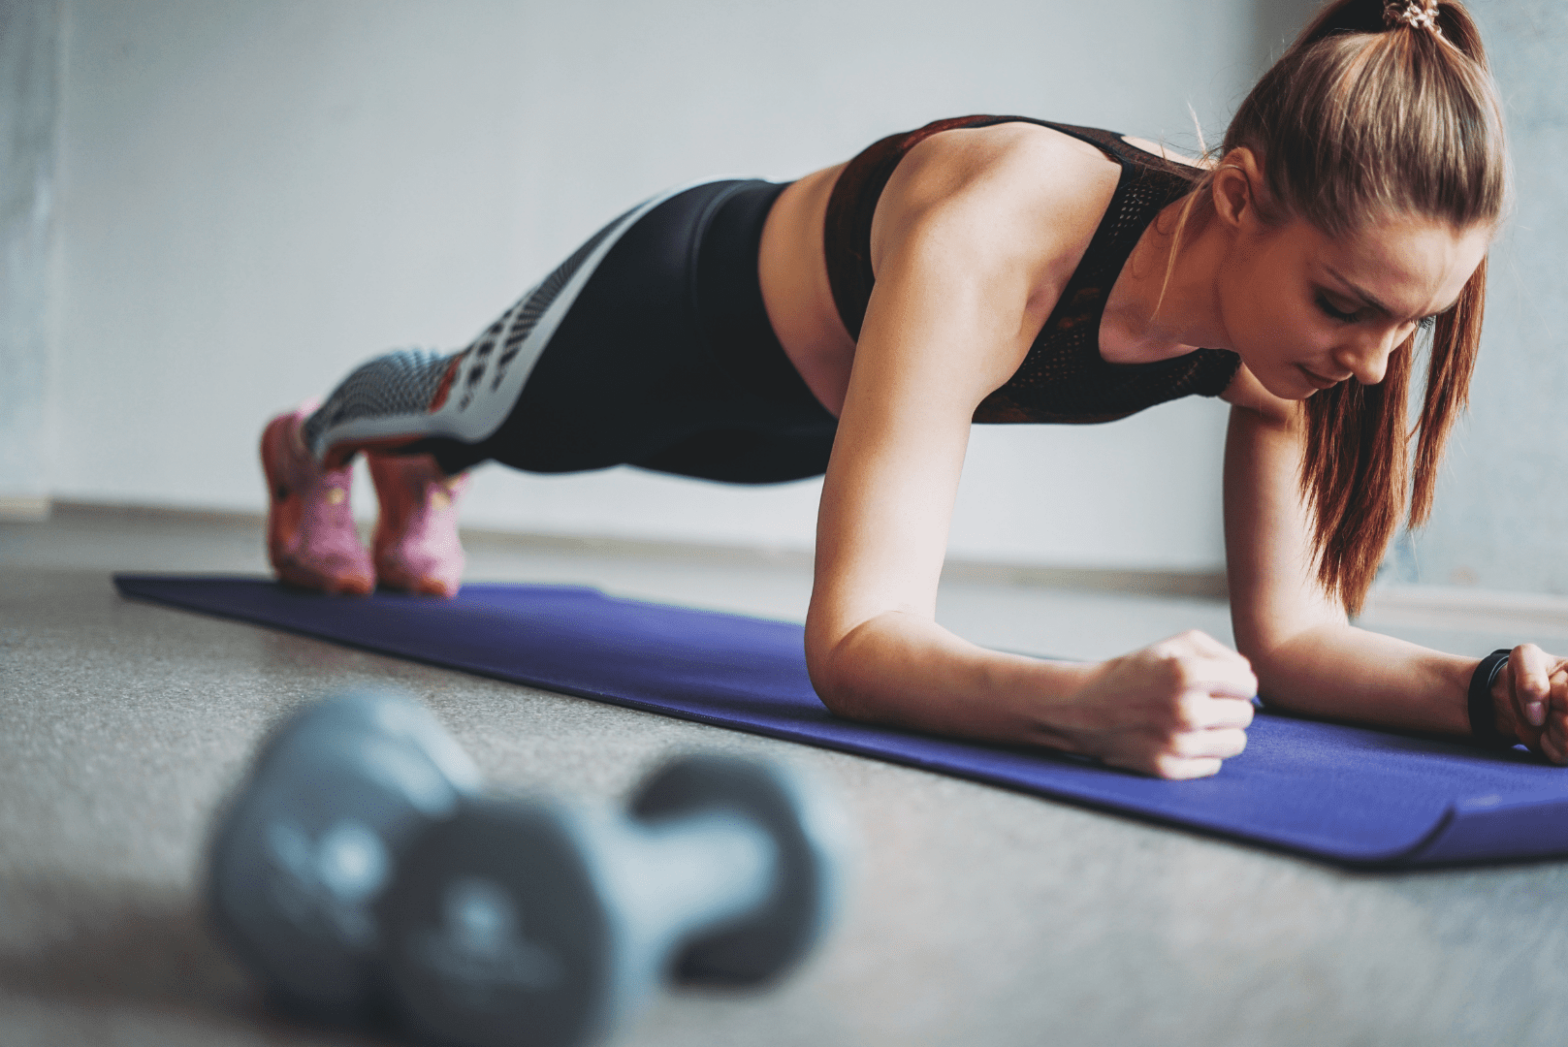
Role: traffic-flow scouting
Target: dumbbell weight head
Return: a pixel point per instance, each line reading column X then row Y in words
column 529, row 923
column 385, row 712
column 497, row 930
column 314, row 835
column 810, row 843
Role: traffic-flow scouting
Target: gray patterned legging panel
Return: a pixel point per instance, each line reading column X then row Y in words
column 400, row 384
column 649, row 346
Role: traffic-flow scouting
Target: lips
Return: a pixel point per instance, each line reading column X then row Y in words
column 1318, row 380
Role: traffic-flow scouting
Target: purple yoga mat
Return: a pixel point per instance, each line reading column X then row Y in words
column 1342, row 794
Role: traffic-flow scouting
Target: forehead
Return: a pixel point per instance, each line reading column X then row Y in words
column 1414, row 265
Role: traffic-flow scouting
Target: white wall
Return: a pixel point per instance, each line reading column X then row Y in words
column 29, row 112
column 254, row 197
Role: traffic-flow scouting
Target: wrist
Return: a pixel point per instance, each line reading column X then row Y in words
column 1045, row 697
column 1058, row 684
column 1491, row 713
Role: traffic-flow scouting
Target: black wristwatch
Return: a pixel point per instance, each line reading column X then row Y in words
column 1483, row 711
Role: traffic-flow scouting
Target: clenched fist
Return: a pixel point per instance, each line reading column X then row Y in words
column 1175, row 709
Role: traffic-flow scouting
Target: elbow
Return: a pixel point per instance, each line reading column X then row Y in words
column 832, row 689
column 839, row 701
column 1264, row 651
column 1256, row 651
column 829, row 666
column 1280, row 656
column 1262, row 668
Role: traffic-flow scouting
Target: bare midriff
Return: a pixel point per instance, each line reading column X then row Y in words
column 794, row 277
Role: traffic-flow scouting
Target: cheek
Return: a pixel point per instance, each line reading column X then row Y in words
column 1274, row 323
column 1260, row 312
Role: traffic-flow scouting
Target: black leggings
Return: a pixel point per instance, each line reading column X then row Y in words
column 663, row 358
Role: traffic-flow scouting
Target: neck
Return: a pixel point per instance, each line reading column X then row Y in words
column 1162, row 306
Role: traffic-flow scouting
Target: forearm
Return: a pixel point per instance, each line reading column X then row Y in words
column 906, row 670
column 1337, row 671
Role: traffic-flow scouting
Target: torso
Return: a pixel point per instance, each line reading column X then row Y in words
column 794, row 276
column 811, row 323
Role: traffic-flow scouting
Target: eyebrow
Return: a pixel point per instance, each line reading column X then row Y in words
column 1371, row 300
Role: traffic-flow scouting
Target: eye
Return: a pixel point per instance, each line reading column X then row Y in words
column 1328, row 309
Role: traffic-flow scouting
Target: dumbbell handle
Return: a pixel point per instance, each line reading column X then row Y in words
column 673, row 880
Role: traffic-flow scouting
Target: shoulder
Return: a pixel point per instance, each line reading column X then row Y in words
column 1017, row 165
column 1003, row 196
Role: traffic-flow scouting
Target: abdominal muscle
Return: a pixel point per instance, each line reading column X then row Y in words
column 794, row 276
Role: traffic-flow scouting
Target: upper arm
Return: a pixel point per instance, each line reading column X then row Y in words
column 1274, row 593
column 960, row 257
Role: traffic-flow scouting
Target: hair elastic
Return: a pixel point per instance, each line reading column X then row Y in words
column 1483, row 711
column 1417, row 14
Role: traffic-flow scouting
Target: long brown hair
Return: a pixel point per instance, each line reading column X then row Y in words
column 1374, row 112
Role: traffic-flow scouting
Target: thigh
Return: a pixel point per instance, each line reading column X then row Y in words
column 626, row 372
column 667, row 359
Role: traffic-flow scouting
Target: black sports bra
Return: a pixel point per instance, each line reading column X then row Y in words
column 1063, row 378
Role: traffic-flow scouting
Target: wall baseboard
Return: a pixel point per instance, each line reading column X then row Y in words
column 81, row 512
column 1451, row 607
column 1202, row 585
column 1194, row 585
column 27, row 507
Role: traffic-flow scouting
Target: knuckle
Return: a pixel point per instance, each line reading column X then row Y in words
column 1193, row 711
column 1178, row 671
column 1170, row 716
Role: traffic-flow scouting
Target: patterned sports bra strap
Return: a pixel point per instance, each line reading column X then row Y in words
column 847, row 230
column 846, row 234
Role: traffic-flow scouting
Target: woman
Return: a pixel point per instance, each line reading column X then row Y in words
column 989, row 269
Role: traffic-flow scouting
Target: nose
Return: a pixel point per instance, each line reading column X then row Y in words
column 1367, row 357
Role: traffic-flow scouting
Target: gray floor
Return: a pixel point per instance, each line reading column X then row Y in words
column 975, row 916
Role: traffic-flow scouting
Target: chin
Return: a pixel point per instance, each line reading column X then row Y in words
column 1311, row 389
column 1287, row 389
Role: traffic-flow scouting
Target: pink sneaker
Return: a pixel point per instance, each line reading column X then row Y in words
column 416, row 543
column 310, row 530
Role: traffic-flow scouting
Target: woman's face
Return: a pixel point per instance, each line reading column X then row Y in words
column 1306, row 311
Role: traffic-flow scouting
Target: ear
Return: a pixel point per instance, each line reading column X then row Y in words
column 1237, row 188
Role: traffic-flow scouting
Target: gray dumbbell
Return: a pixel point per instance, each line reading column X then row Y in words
column 314, row 836
column 525, row 923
